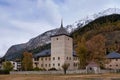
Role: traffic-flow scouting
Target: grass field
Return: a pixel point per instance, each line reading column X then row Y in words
column 59, row 77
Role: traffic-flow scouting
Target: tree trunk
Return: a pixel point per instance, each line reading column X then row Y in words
column 64, row 71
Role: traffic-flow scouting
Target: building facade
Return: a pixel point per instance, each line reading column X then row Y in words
column 113, row 61
column 61, row 53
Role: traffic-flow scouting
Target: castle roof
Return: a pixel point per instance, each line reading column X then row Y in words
column 113, row 55
column 44, row 53
column 61, row 31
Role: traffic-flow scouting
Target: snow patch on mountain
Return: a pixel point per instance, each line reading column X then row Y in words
column 82, row 22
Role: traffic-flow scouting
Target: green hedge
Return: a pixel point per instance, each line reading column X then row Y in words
column 4, row 72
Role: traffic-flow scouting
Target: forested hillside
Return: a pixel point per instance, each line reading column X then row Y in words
column 96, row 39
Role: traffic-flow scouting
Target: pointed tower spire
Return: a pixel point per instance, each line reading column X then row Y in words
column 62, row 23
column 61, row 30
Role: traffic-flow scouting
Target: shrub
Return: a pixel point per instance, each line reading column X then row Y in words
column 4, row 72
column 36, row 69
column 43, row 69
column 52, row 69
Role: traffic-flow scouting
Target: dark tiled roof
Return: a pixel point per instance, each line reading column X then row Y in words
column 113, row 55
column 46, row 53
column 61, row 31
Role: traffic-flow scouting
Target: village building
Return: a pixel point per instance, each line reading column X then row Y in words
column 93, row 67
column 113, row 61
column 61, row 52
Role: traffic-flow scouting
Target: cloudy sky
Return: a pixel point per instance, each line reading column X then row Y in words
column 21, row 20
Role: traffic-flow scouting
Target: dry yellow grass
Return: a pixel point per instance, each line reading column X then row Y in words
column 57, row 77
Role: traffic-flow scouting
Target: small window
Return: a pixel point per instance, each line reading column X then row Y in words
column 56, row 38
column 53, row 64
column 36, row 63
column 68, row 38
column 110, row 65
column 116, row 64
column 69, row 64
column 53, row 58
column 36, row 59
column 69, row 58
column 41, row 59
column 46, row 65
column 58, row 64
column 58, row 58
column 49, row 65
column 116, row 59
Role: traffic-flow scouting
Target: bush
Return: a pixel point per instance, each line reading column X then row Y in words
column 4, row 72
column 36, row 69
column 52, row 69
column 43, row 69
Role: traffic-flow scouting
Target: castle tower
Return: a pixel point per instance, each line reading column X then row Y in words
column 61, row 49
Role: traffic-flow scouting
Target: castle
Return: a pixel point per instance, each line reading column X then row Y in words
column 61, row 53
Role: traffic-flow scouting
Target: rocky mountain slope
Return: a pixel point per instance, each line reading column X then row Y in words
column 15, row 51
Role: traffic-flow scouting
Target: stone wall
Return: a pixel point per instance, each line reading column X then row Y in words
column 47, row 72
column 55, row 72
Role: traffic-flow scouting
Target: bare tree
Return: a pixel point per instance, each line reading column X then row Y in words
column 65, row 66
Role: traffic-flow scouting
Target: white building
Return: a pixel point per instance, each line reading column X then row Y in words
column 61, row 52
column 16, row 65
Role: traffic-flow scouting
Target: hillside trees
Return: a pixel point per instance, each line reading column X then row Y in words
column 96, row 49
column 27, row 63
column 81, row 51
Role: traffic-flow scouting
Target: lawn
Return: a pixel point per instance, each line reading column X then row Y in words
column 58, row 77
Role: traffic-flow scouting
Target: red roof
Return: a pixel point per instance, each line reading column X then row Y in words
column 92, row 64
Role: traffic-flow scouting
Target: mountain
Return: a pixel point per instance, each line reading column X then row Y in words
column 97, row 39
column 40, row 41
column 15, row 51
column 82, row 22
